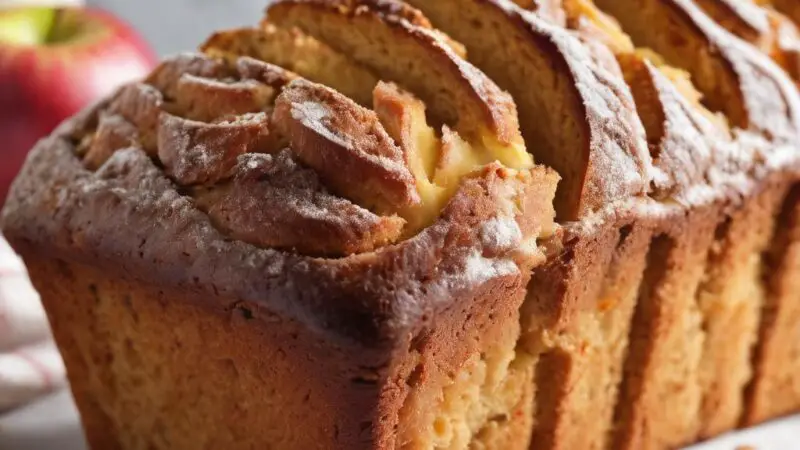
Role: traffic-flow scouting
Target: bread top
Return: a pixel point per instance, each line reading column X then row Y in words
column 233, row 178
column 685, row 139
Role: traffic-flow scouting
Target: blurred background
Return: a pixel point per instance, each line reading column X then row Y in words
column 173, row 26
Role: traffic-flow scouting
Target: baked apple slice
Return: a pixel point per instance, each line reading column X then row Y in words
column 205, row 99
column 347, row 146
column 140, row 104
column 195, row 152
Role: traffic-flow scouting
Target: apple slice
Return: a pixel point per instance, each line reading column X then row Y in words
column 166, row 76
column 275, row 76
column 203, row 153
column 141, row 105
column 113, row 133
column 206, row 100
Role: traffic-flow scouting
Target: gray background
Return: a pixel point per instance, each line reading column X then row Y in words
column 173, row 26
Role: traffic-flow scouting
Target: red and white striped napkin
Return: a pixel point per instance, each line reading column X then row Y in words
column 30, row 364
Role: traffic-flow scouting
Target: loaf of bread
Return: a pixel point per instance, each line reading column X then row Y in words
column 328, row 230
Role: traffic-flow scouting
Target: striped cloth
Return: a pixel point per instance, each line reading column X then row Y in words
column 30, row 364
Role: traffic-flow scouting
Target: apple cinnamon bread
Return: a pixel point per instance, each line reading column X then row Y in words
column 384, row 311
column 327, row 230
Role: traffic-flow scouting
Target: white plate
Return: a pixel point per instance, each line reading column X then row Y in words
column 52, row 423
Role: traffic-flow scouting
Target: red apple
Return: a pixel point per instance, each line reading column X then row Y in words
column 53, row 62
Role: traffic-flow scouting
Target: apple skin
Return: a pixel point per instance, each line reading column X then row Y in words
column 41, row 85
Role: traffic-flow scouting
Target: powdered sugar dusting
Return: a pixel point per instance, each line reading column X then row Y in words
column 479, row 269
column 500, row 233
column 315, row 115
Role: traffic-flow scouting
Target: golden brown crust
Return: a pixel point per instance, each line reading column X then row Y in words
column 458, row 94
column 684, row 143
column 742, row 18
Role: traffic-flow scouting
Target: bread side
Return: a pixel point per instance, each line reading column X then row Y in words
column 773, row 390
column 731, row 297
column 683, row 138
column 713, row 139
